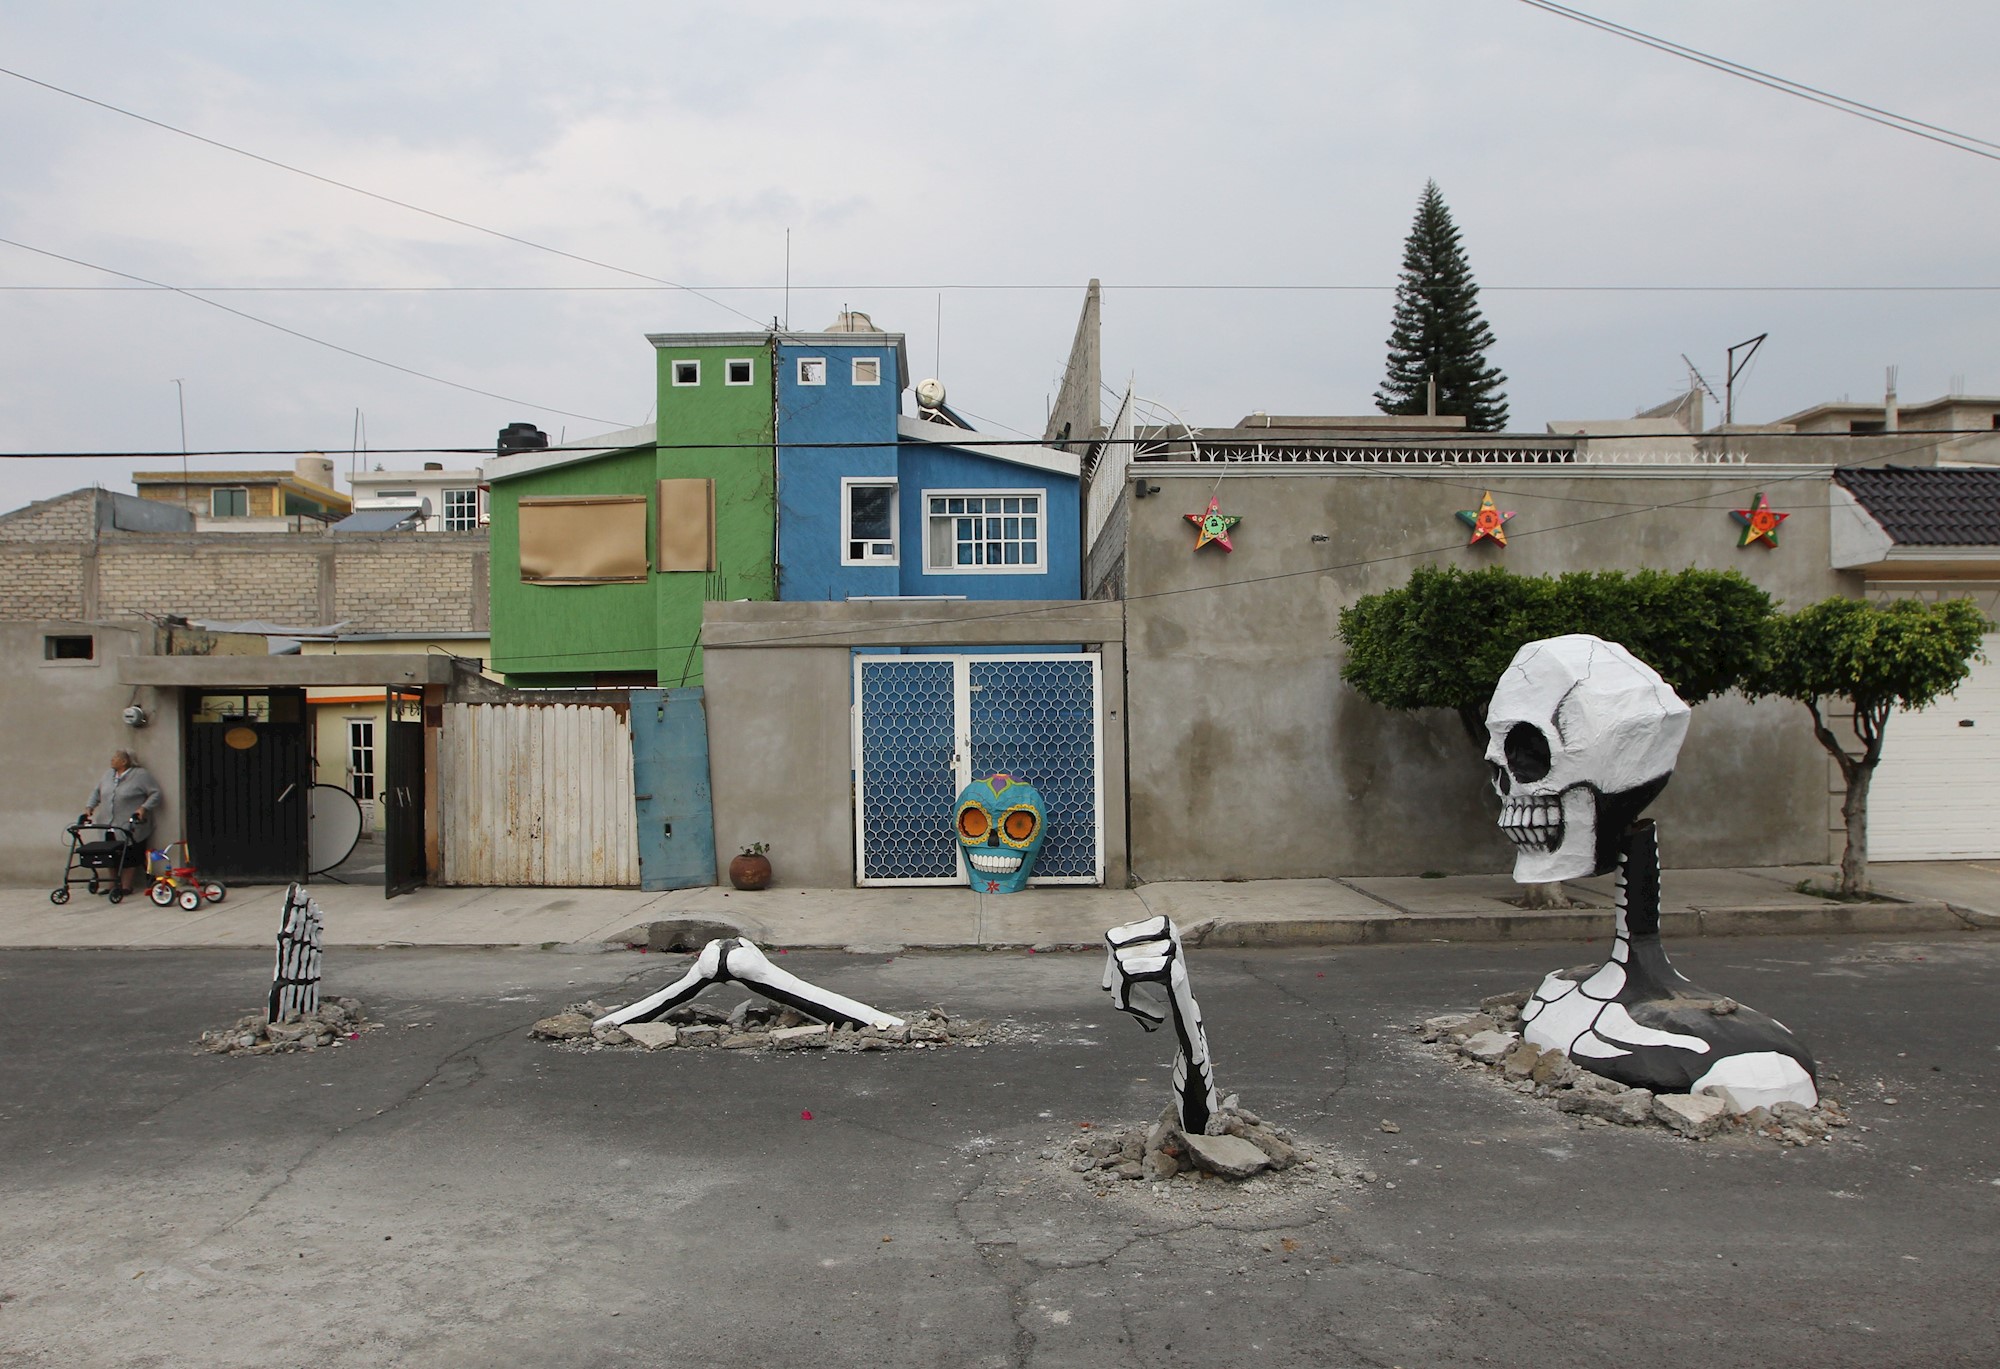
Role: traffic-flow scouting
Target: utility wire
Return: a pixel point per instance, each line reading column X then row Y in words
column 1902, row 123
column 375, row 195
column 306, row 337
column 1025, row 286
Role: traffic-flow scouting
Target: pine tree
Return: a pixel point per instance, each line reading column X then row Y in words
column 1439, row 332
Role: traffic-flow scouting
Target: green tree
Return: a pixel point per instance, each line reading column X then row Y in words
column 1438, row 330
column 1873, row 660
column 1443, row 639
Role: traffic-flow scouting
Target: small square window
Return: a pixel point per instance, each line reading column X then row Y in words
column 229, row 503
column 867, row 370
column 81, row 648
column 812, row 370
column 687, row 373
column 737, row 371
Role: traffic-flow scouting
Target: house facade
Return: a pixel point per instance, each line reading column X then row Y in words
column 250, row 501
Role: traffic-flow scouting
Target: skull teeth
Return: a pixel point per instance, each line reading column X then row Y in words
column 1533, row 824
column 994, row 864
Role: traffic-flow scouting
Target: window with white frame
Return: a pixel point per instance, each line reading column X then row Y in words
column 868, row 522
column 361, row 758
column 461, row 510
column 867, row 370
column 687, row 373
column 737, row 371
column 812, row 370
column 984, row 531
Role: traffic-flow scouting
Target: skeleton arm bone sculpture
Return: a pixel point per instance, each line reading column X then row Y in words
column 1146, row 973
column 734, row 958
column 1583, row 736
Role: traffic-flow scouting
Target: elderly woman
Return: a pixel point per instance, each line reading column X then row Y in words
column 127, row 793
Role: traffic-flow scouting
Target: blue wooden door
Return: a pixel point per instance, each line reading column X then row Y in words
column 670, row 789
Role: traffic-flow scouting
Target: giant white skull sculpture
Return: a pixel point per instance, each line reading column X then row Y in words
column 1582, row 736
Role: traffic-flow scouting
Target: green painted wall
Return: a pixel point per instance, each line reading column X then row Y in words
column 570, row 634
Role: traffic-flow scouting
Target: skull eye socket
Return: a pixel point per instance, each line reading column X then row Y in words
column 972, row 823
column 1019, row 825
column 1527, row 751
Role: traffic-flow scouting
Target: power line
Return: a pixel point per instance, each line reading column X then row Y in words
column 305, row 337
column 1024, row 286
column 374, row 195
column 1902, row 123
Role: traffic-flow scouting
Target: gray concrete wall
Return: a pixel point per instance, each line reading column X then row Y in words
column 779, row 680
column 1251, row 758
column 59, row 723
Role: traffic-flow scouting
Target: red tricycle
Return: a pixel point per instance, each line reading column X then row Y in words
column 181, row 883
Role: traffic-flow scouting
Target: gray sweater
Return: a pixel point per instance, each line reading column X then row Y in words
column 117, row 797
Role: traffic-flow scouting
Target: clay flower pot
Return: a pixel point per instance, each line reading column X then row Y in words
column 750, row 871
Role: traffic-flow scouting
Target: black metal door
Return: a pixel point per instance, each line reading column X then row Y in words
column 402, row 796
column 248, row 767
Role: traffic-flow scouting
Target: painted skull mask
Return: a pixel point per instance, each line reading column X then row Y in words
column 1000, row 822
column 1582, row 735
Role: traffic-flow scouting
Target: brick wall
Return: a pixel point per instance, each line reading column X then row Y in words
column 390, row 582
column 68, row 517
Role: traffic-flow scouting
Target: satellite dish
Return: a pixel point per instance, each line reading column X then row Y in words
column 333, row 826
column 930, row 393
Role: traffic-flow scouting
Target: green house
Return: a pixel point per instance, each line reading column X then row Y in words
column 604, row 551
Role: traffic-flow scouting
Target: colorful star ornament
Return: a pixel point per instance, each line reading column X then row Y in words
column 1759, row 522
column 1214, row 525
column 1486, row 521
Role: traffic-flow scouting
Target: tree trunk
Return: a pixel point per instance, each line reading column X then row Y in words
column 1854, row 811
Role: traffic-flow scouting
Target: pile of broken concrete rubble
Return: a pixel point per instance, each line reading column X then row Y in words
column 1490, row 1039
column 335, row 1022
column 1241, row 1145
column 756, row 1024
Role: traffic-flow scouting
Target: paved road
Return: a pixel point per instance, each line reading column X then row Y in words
column 449, row 1193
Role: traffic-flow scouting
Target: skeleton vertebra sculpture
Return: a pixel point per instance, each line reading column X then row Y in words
column 1583, row 736
column 1146, row 972
column 735, row 959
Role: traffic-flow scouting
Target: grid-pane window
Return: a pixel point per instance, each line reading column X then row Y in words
column 361, row 757
column 974, row 532
column 461, row 510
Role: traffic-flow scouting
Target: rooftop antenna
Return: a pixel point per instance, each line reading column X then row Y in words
column 1749, row 350
column 937, row 339
column 354, row 448
column 1696, row 381
column 180, row 395
column 788, row 280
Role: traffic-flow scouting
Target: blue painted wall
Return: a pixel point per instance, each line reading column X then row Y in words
column 928, row 467
column 810, row 542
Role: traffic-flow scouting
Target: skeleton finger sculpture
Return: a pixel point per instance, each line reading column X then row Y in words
column 1583, row 736
column 1146, row 973
column 735, row 959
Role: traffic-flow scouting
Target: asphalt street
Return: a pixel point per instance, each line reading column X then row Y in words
column 448, row 1192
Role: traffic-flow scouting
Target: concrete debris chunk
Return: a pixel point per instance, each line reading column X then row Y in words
column 1690, row 1114
column 1230, row 1156
column 653, row 1035
column 1488, row 1047
column 564, row 1026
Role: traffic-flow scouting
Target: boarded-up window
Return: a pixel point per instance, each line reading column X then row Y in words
column 584, row 540
column 687, row 525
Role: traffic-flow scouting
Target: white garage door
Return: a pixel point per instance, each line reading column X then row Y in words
column 1937, row 793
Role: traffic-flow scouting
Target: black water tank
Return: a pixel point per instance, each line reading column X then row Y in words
column 521, row 437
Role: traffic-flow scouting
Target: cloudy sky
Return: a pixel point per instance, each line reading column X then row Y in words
column 959, row 171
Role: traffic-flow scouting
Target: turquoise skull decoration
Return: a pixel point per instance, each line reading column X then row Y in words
column 1000, row 823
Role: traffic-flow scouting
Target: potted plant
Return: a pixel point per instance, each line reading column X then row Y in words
column 752, row 869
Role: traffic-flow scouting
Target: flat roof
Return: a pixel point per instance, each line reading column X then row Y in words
column 285, row 672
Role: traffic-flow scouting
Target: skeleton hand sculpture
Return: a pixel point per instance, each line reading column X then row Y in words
column 1146, row 974
column 1584, row 736
column 734, row 958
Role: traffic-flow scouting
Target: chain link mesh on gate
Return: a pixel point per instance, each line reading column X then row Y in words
column 1036, row 720
column 907, row 782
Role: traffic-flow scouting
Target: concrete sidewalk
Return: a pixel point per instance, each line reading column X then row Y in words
column 1918, row 897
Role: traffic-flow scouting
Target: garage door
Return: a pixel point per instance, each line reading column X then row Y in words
column 1937, row 793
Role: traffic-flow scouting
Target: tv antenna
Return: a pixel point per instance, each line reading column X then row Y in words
column 1749, row 350
column 1696, row 381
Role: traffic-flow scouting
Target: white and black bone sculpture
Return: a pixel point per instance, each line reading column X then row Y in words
column 1583, row 736
column 1145, row 970
column 735, row 960
column 295, row 977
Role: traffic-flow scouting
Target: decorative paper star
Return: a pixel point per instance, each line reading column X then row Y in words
column 1214, row 525
column 1759, row 521
column 992, row 886
column 1486, row 521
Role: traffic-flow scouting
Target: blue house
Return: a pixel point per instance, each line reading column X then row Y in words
column 874, row 504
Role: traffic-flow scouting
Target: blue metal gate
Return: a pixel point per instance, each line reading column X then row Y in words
column 671, row 795
column 926, row 725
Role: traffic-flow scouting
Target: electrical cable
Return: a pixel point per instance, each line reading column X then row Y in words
column 1027, row 286
column 1902, row 123
column 305, row 337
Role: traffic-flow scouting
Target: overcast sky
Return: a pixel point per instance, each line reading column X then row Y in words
column 916, row 150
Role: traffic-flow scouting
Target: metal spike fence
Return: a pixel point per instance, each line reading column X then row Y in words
column 295, row 981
